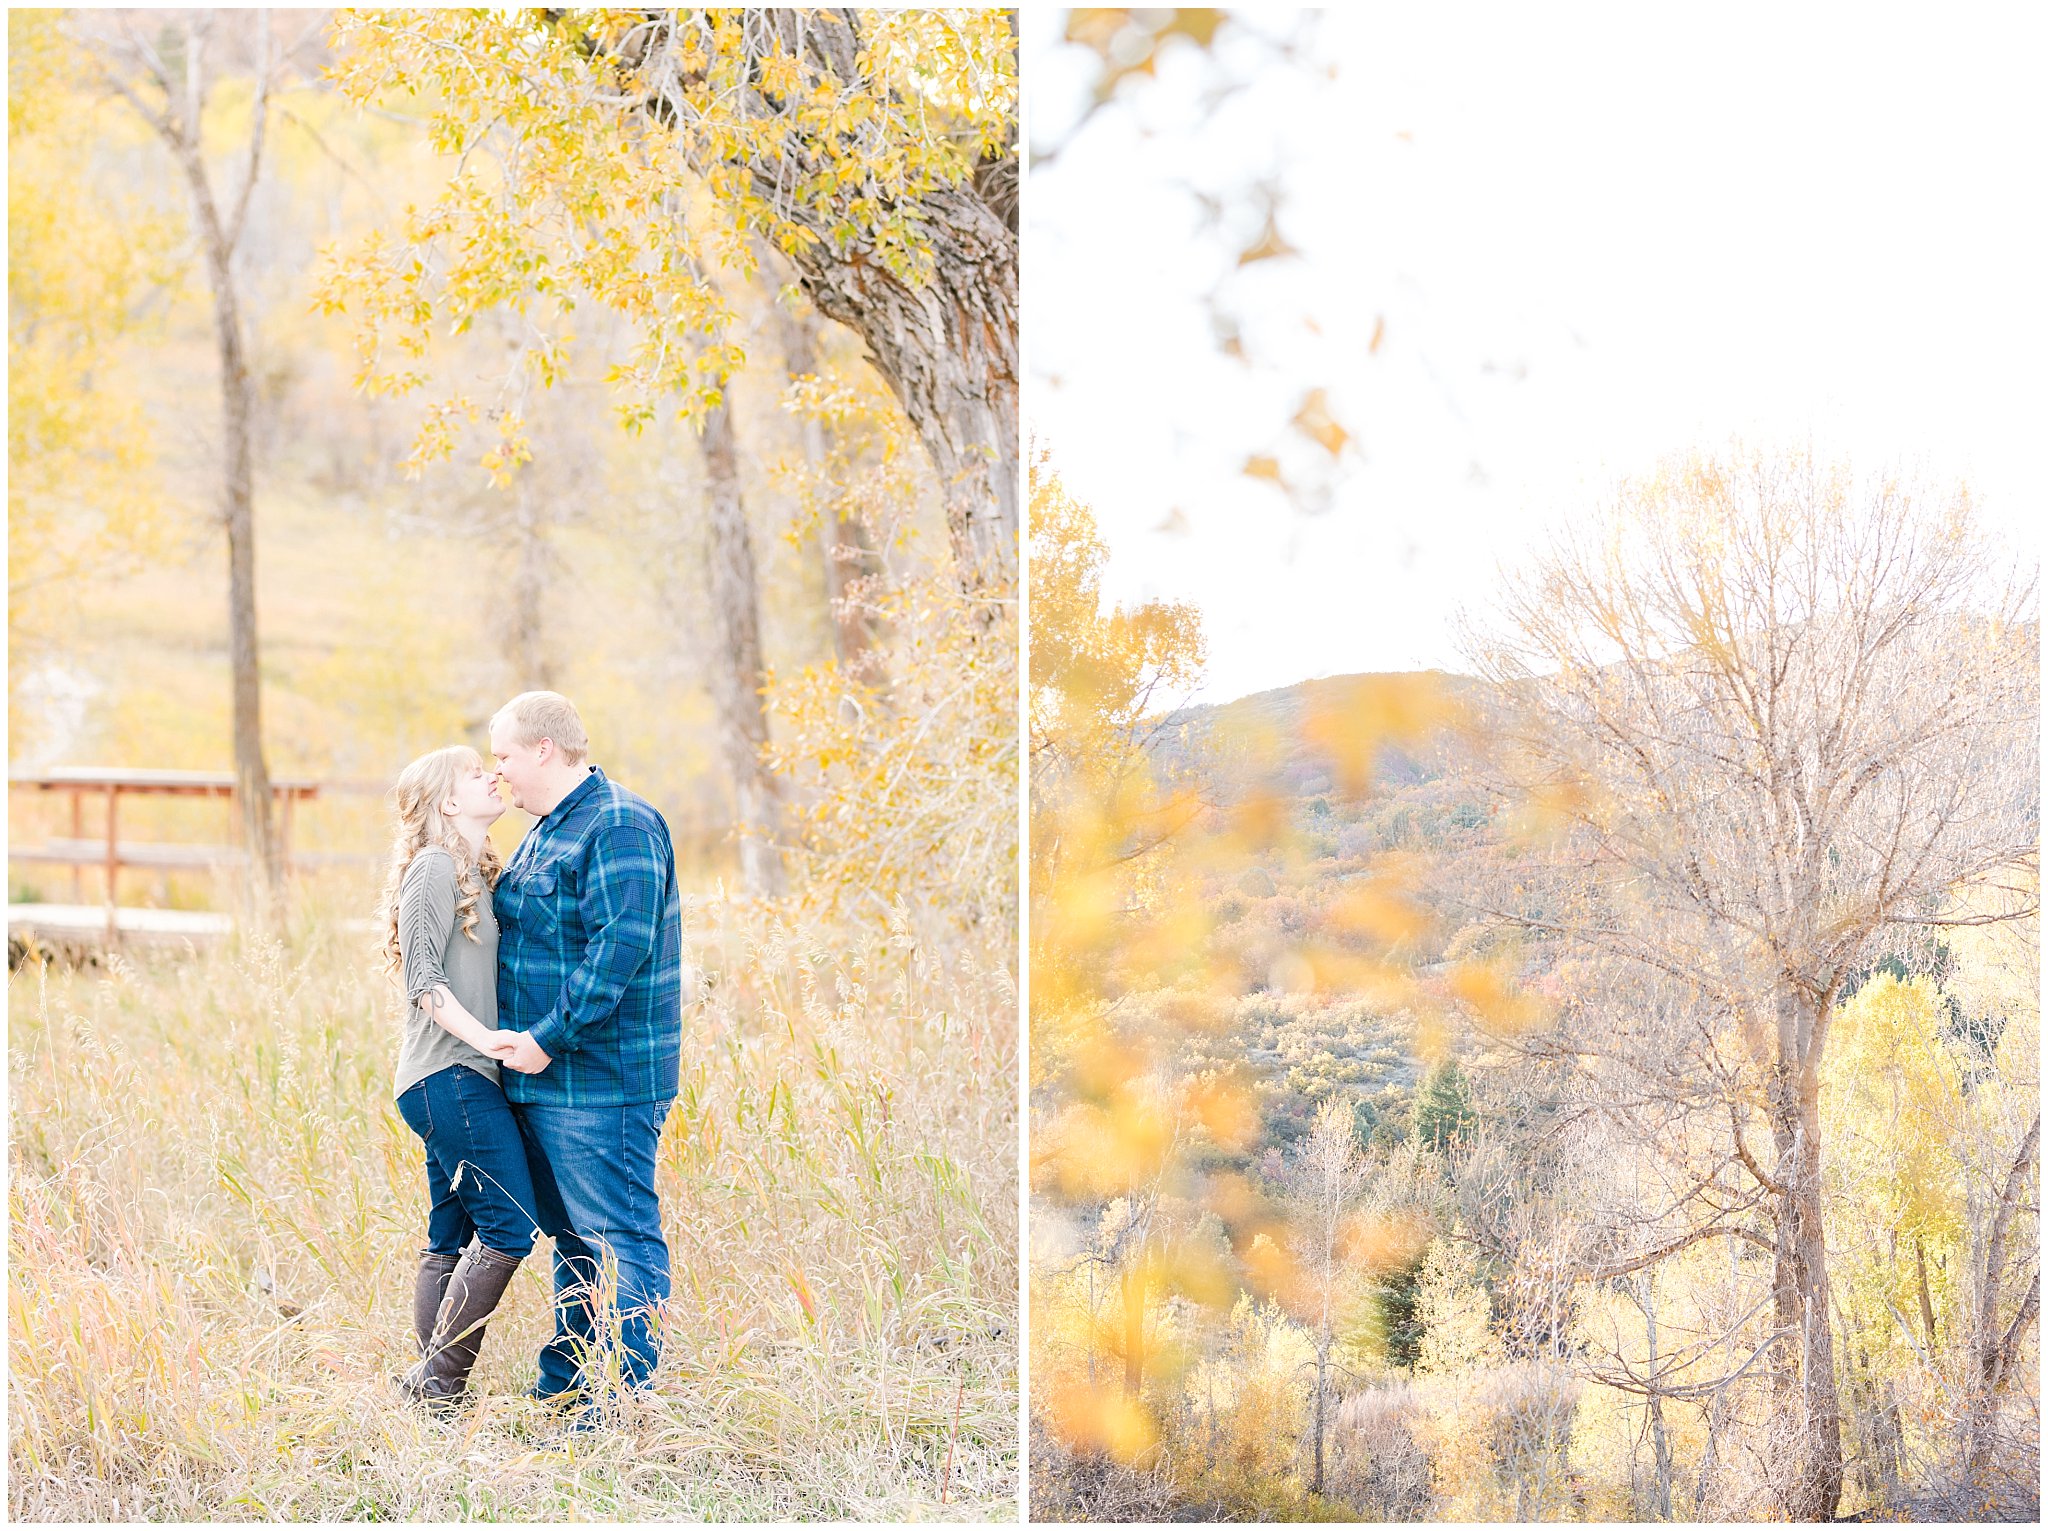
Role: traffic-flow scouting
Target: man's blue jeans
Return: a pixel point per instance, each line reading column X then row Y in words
column 593, row 1187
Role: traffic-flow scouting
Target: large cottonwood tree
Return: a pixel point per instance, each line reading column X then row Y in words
column 1776, row 721
column 629, row 155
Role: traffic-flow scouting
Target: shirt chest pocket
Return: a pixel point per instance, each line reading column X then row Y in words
column 537, row 903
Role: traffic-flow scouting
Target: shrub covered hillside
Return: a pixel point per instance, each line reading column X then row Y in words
column 1408, row 1139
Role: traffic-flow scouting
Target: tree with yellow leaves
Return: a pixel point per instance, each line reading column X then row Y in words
column 1783, row 718
column 1099, row 681
column 627, row 157
column 902, row 759
column 660, row 164
column 1102, row 684
column 83, row 261
column 1933, row 1105
column 1139, row 1141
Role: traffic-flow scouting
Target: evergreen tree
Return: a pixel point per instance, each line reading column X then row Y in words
column 1443, row 1110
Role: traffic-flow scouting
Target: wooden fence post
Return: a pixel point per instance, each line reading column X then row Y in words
column 113, row 857
column 77, row 833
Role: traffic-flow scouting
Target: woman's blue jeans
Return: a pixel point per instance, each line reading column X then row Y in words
column 593, row 1180
column 478, row 1184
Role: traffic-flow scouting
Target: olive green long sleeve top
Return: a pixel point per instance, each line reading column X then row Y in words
column 435, row 951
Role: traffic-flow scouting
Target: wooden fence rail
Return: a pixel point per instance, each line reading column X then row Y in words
column 704, row 847
column 108, row 851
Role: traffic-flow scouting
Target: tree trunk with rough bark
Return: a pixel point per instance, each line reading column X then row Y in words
column 946, row 345
column 736, row 671
column 948, row 350
column 1807, row 1459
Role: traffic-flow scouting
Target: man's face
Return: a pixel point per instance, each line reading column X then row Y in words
column 520, row 766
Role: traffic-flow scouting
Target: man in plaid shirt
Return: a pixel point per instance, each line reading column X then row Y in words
column 590, row 981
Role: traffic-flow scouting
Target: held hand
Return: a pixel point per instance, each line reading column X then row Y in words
column 498, row 1044
column 525, row 1056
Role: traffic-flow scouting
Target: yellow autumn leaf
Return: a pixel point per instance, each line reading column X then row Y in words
column 1268, row 246
column 1315, row 421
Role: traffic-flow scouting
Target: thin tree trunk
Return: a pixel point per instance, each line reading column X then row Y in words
column 1707, row 1484
column 1332, row 1208
column 1094, row 1320
column 1322, row 1393
column 1995, row 1347
column 1660, row 1443
column 1891, row 1437
column 736, row 672
column 1873, row 1412
column 252, row 771
column 1134, row 1327
column 526, row 600
column 848, row 551
column 1926, row 1297
column 219, row 239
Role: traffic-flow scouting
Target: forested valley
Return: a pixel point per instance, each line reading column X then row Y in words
column 1450, row 1102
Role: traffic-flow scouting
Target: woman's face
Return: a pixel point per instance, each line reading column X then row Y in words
column 476, row 796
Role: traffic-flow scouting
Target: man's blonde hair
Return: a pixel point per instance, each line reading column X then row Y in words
column 538, row 715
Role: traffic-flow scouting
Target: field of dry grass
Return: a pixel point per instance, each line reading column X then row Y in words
column 215, row 1208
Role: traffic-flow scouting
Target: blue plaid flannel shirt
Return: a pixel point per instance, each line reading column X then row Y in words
column 590, row 951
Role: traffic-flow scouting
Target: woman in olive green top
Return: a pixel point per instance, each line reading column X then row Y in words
column 441, row 940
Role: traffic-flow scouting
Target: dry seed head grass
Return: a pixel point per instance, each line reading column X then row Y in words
column 215, row 1211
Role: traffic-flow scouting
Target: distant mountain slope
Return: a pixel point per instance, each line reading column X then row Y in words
column 1213, row 741
column 1294, row 1048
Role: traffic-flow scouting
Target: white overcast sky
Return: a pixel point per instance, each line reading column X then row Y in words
column 1596, row 235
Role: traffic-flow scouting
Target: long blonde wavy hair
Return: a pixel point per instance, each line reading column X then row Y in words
column 422, row 788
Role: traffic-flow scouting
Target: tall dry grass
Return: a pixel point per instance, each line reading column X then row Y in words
column 215, row 1208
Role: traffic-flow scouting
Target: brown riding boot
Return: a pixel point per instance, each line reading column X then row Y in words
column 429, row 1287
column 474, row 1291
